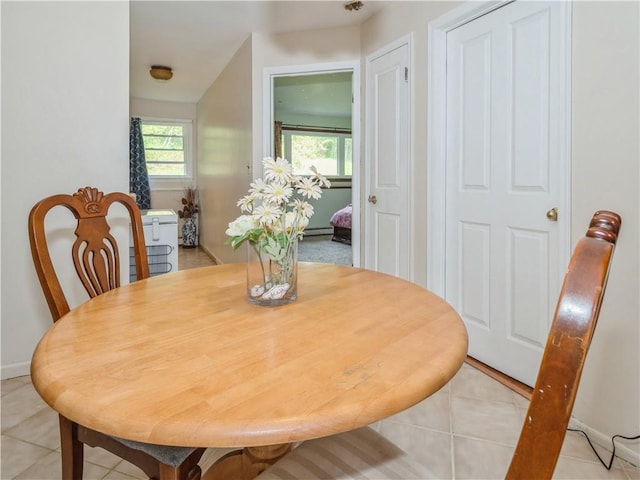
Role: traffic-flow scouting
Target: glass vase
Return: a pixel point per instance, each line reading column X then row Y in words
column 271, row 282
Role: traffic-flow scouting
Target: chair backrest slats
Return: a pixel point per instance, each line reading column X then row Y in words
column 95, row 253
column 577, row 312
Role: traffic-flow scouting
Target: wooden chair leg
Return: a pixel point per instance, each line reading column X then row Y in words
column 72, row 450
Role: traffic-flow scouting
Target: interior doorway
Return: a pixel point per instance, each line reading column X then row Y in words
column 312, row 117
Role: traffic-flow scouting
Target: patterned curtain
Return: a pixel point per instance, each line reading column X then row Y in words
column 277, row 139
column 138, row 175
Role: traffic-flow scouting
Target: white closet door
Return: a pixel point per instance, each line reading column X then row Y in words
column 503, row 170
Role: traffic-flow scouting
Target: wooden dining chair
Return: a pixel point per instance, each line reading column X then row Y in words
column 364, row 453
column 96, row 259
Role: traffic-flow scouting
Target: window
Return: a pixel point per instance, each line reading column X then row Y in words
column 329, row 152
column 167, row 148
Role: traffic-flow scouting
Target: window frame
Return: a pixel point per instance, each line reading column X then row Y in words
column 159, row 181
column 287, row 132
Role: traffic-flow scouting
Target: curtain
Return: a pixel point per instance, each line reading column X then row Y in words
column 277, row 139
column 138, row 175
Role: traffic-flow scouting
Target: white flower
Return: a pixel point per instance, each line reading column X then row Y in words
column 278, row 170
column 241, row 225
column 300, row 222
column 277, row 192
column 320, row 178
column 293, row 222
column 246, row 203
column 258, row 186
column 308, row 188
column 303, row 207
column 273, row 218
column 267, row 214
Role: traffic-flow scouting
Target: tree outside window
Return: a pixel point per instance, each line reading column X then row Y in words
column 166, row 148
column 330, row 153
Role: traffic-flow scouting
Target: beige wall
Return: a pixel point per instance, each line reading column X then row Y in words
column 65, row 125
column 605, row 174
column 311, row 47
column 225, row 151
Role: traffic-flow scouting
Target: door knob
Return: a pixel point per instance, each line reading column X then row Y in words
column 373, row 199
column 553, row 214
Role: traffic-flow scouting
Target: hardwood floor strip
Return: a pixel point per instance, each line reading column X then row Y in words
column 507, row 381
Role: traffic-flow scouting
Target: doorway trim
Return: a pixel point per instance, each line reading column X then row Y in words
column 436, row 133
column 269, row 74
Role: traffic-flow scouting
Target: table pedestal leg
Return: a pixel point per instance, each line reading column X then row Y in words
column 247, row 463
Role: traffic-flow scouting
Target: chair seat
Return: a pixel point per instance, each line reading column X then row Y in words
column 358, row 454
column 173, row 456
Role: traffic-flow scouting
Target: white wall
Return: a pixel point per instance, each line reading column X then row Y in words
column 605, row 175
column 65, row 125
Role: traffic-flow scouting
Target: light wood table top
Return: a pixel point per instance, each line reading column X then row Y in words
column 184, row 359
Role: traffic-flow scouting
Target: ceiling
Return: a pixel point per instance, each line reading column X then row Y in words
column 198, row 38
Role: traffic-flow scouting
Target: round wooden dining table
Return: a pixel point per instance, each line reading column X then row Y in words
column 184, row 359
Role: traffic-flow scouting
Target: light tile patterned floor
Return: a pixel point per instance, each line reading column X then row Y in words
column 467, row 431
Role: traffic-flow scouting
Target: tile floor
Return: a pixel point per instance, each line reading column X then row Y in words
column 467, row 430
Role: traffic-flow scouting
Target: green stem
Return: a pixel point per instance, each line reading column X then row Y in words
column 257, row 250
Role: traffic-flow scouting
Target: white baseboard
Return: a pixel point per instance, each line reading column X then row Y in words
column 310, row 232
column 211, row 255
column 15, row 370
column 604, row 441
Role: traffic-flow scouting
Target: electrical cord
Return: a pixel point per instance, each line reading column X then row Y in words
column 613, row 453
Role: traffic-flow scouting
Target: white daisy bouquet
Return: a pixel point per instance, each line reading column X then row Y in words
column 275, row 213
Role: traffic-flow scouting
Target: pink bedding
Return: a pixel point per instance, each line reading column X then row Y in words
column 342, row 218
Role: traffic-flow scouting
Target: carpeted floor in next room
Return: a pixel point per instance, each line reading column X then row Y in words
column 317, row 248
column 321, row 249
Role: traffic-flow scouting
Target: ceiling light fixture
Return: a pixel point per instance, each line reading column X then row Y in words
column 351, row 6
column 160, row 72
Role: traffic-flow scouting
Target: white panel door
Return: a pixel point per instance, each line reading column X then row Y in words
column 387, row 209
column 503, row 169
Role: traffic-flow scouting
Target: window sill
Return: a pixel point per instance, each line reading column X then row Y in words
column 157, row 184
